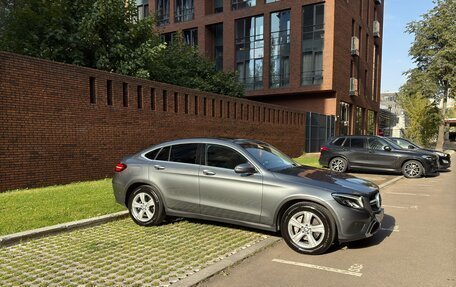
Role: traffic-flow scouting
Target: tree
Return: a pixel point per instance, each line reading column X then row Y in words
column 422, row 113
column 106, row 35
column 181, row 64
column 434, row 52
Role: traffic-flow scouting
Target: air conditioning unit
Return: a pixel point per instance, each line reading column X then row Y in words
column 378, row 2
column 354, row 46
column 376, row 29
column 353, row 87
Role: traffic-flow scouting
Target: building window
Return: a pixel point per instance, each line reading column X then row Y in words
column 370, row 122
column 183, row 11
column 191, row 37
column 344, row 118
column 359, row 121
column 143, row 8
column 168, row 38
column 270, row 1
column 217, row 32
column 249, row 51
column 312, row 44
column 162, row 12
column 218, row 6
column 374, row 72
column 280, row 49
column 239, row 4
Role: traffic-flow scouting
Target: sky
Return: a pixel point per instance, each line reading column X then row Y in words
column 396, row 42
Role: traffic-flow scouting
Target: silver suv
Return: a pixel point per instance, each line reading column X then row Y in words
column 250, row 183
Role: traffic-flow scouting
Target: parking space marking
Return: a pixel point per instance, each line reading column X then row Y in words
column 410, row 194
column 358, row 267
column 401, row 207
column 394, row 228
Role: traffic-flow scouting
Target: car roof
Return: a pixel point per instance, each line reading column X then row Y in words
column 211, row 140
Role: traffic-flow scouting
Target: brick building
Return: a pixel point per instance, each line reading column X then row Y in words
column 323, row 58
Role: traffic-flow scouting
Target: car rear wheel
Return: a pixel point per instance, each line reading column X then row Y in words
column 412, row 169
column 308, row 228
column 338, row 164
column 145, row 206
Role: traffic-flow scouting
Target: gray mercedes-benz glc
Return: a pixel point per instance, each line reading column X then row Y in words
column 250, row 183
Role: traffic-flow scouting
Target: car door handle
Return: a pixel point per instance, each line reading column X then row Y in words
column 208, row 172
column 159, row 167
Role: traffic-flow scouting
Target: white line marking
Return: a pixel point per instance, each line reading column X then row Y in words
column 411, row 194
column 401, row 207
column 394, row 228
column 324, row 268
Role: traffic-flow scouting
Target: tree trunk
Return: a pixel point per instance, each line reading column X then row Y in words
column 442, row 126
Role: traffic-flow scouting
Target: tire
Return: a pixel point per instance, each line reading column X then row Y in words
column 145, row 206
column 412, row 169
column 308, row 228
column 338, row 164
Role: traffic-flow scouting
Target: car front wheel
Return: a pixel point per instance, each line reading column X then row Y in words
column 308, row 228
column 412, row 169
column 145, row 206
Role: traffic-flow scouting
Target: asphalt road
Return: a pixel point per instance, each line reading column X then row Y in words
column 416, row 247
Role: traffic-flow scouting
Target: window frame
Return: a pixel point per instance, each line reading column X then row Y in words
column 204, row 156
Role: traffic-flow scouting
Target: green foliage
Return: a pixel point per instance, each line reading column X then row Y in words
column 182, row 65
column 434, row 47
column 106, row 34
column 423, row 115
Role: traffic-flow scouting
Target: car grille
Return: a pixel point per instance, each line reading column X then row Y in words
column 375, row 201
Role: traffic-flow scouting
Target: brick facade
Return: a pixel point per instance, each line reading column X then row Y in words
column 57, row 124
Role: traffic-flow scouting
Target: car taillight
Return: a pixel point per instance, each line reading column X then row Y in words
column 120, row 166
column 323, row 148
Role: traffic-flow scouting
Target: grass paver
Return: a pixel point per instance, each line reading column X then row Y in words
column 122, row 253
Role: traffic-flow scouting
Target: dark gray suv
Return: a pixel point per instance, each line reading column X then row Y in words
column 376, row 154
column 250, row 183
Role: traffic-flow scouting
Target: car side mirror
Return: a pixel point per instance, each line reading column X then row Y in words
column 245, row 168
column 411, row 147
column 387, row 148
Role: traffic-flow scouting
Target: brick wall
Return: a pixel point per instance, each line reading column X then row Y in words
column 61, row 123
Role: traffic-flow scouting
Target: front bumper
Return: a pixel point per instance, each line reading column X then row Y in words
column 363, row 224
column 444, row 162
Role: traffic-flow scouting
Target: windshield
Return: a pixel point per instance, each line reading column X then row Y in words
column 269, row 157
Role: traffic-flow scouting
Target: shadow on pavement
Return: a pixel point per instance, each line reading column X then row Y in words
column 387, row 228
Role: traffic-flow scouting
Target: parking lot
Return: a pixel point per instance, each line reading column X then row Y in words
column 416, row 247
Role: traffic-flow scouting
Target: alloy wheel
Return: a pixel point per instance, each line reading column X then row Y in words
column 337, row 165
column 306, row 229
column 412, row 169
column 143, row 207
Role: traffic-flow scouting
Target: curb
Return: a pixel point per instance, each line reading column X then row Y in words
column 34, row 233
column 223, row 264
column 391, row 181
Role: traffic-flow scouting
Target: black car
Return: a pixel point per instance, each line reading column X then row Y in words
column 444, row 158
column 377, row 154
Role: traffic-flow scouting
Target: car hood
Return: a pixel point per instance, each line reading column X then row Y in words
column 326, row 179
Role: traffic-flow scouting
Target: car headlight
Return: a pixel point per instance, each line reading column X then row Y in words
column 428, row 157
column 349, row 200
column 441, row 154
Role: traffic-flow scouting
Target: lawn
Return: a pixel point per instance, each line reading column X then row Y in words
column 39, row 207
column 308, row 160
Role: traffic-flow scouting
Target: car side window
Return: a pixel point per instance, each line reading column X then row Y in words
column 163, row 154
column 152, row 154
column 357, row 142
column 184, row 153
column 338, row 141
column 375, row 143
column 223, row 157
